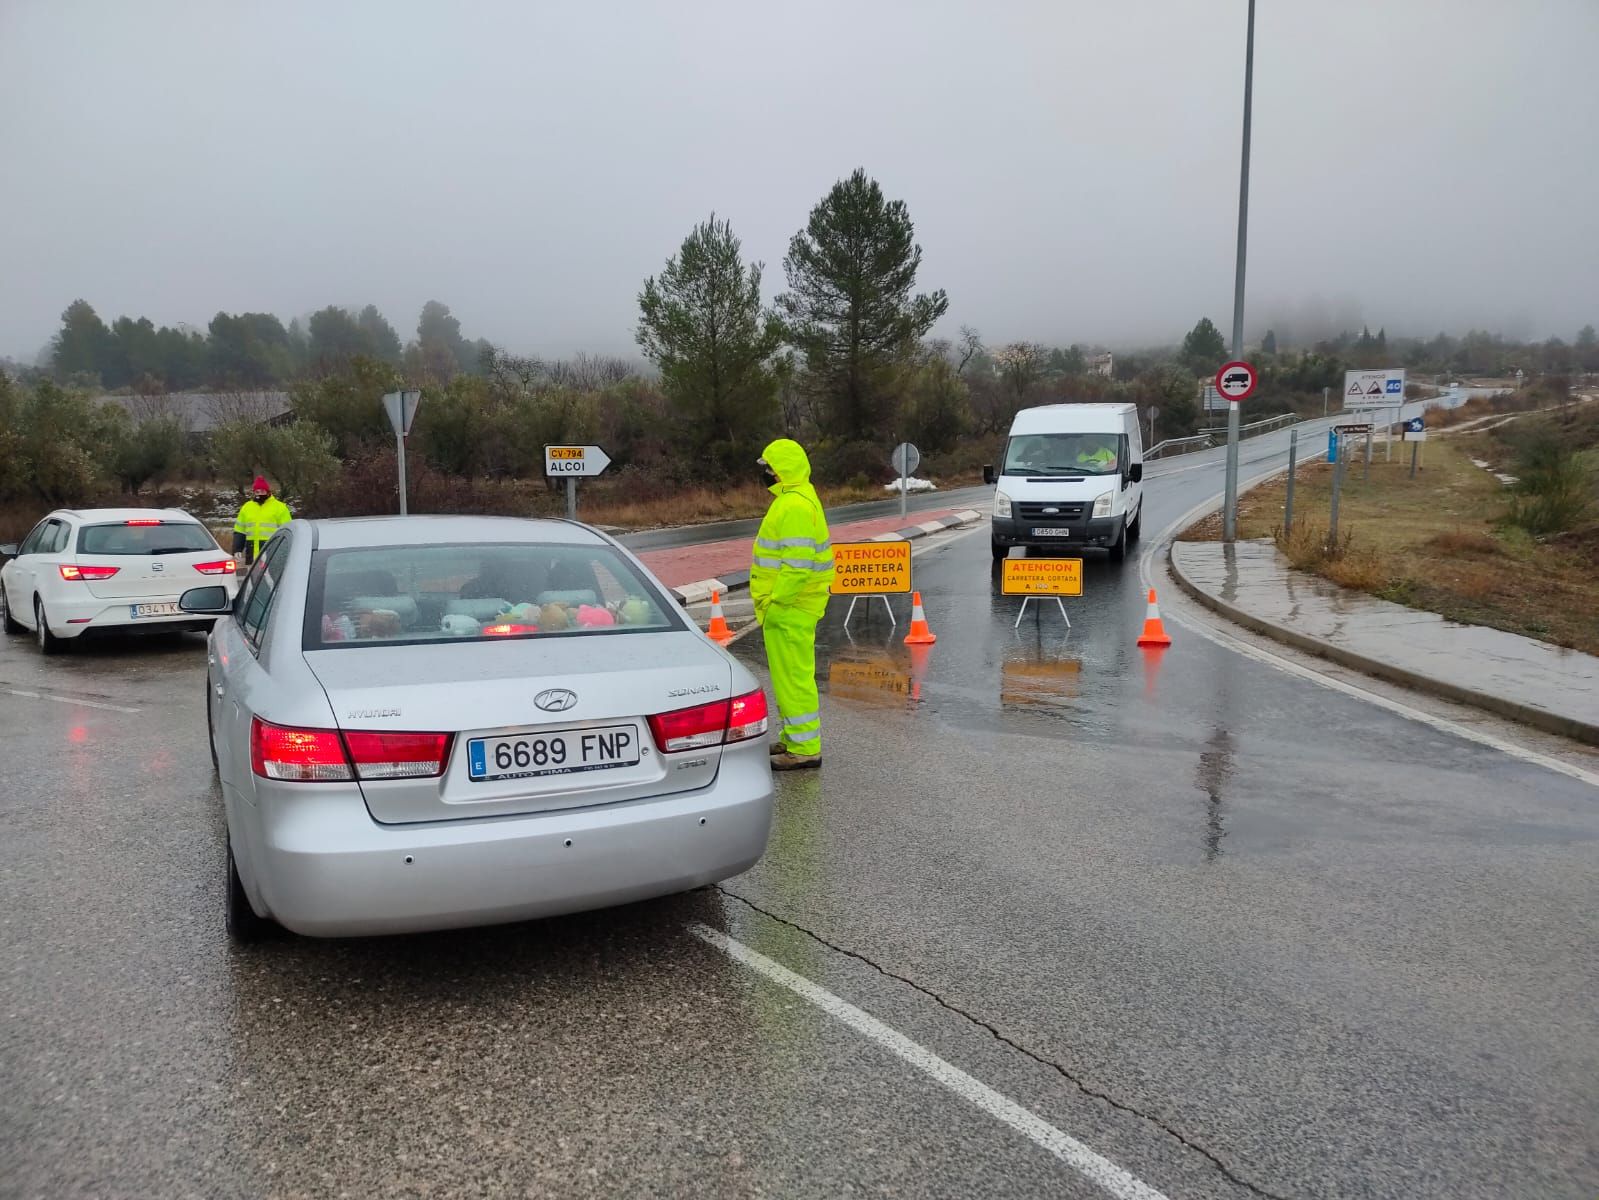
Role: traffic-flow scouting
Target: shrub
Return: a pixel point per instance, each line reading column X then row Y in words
column 297, row 459
column 1555, row 486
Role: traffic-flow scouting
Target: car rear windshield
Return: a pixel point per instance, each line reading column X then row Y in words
column 1065, row 454
column 142, row 537
column 474, row 593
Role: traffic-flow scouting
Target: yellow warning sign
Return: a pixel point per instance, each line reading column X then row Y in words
column 871, row 568
column 1042, row 577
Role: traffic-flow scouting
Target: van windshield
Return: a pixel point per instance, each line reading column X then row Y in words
column 1065, row 454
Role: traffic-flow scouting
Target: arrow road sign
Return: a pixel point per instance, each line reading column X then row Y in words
column 1236, row 381
column 574, row 462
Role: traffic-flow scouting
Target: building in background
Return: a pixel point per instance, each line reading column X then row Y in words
column 1101, row 364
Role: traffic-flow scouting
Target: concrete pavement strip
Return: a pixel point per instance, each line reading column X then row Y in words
column 1528, row 681
column 699, row 592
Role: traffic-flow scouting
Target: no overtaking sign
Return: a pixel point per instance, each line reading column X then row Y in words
column 1236, row 381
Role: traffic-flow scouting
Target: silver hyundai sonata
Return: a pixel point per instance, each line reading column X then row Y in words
column 429, row 722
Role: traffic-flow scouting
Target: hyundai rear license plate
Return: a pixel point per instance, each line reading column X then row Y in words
column 154, row 610
column 1052, row 532
column 554, row 752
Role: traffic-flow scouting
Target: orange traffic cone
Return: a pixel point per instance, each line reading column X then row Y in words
column 1154, row 632
column 718, row 631
column 920, row 634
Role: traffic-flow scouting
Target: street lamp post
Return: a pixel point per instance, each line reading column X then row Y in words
column 1230, row 504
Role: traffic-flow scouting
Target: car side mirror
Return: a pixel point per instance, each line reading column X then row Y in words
column 9, row 550
column 1135, row 473
column 988, row 472
column 206, row 601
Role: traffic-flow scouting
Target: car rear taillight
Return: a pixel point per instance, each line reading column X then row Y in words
column 707, row 725
column 223, row 566
column 505, row 629
column 748, row 718
column 398, row 755
column 297, row 755
column 73, row 574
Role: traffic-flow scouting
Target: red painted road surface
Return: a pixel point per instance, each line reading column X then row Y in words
column 710, row 560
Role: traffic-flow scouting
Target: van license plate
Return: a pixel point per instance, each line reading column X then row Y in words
column 1052, row 533
column 553, row 752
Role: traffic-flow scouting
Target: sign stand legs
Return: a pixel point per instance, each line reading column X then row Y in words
column 1026, row 600
column 889, row 608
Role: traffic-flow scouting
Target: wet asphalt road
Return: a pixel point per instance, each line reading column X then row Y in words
column 1239, row 934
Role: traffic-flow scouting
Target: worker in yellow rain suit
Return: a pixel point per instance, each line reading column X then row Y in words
column 790, row 578
column 258, row 520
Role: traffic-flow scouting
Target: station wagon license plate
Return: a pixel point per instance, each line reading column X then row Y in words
column 154, row 610
column 1052, row 532
column 552, row 752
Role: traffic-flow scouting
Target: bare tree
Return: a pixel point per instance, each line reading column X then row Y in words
column 971, row 345
column 590, row 372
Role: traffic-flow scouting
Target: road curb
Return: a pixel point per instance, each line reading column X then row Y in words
column 700, row 591
column 1569, row 727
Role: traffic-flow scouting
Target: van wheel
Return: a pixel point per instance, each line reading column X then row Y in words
column 999, row 551
column 1136, row 529
column 1118, row 551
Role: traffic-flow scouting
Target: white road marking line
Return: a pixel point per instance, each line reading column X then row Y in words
column 122, row 708
column 1289, row 667
column 1094, row 1167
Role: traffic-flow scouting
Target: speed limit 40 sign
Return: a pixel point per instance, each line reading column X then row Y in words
column 1237, row 381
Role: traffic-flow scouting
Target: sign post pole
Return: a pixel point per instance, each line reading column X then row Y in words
column 401, row 409
column 1415, row 448
column 1288, row 504
column 1230, row 510
column 1366, row 476
column 1332, row 519
column 571, row 497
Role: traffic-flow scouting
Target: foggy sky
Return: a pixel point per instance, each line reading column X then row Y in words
column 1071, row 165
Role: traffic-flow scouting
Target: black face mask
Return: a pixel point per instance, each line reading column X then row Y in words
column 769, row 476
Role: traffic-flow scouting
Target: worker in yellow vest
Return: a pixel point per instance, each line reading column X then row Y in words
column 258, row 520
column 790, row 578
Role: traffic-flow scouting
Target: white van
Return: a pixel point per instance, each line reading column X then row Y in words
column 1072, row 476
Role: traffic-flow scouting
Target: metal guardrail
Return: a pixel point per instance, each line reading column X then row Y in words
column 1266, row 425
column 1206, row 438
column 1182, row 445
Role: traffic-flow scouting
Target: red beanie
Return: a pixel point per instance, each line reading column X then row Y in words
column 260, row 484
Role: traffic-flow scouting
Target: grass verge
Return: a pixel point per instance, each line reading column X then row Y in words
column 1435, row 542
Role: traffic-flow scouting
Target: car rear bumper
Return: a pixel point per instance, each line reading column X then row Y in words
column 92, row 617
column 324, row 868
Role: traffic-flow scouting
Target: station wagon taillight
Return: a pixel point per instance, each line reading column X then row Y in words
column 223, row 566
column 73, row 574
column 325, row 756
column 705, row 725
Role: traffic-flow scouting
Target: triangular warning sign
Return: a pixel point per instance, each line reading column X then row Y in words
column 1354, row 388
column 1375, row 389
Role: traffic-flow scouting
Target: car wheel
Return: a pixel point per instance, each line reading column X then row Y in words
column 48, row 642
column 240, row 919
column 13, row 626
column 999, row 550
column 1118, row 550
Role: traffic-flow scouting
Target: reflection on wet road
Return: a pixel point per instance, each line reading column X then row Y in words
column 1239, row 934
